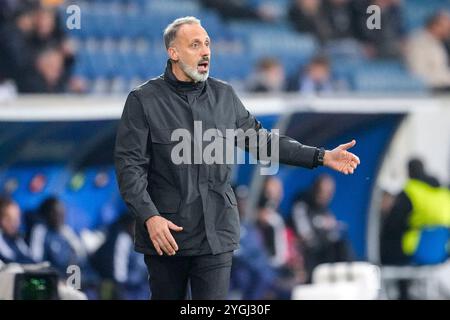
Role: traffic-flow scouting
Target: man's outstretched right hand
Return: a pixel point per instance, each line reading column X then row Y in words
column 159, row 231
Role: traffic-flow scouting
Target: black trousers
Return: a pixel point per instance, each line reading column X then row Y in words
column 208, row 276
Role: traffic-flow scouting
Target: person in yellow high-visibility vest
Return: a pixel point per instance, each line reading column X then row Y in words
column 417, row 229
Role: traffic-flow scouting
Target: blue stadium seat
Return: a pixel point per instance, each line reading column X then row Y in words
column 127, row 70
column 98, row 65
column 153, row 25
column 245, row 30
column 24, row 174
column 286, row 44
column 88, row 26
column 229, row 66
column 386, row 77
column 92, row 206
column 174, row 8
column 343, row 69
column 214, row 25
column 82, row 67
column 133, row 21
column 349, row 49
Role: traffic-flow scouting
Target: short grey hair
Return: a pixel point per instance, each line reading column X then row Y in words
column 170, row 33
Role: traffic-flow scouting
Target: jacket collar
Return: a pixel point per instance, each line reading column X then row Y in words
column 185, row 87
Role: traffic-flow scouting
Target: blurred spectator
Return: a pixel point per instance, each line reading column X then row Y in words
column 54, row 241
column 12, row 246
column 117, row 262
column 421, row 206
column 48, row 29
column 426, row 54
column 242, row 9
column 340, row 18
column 387, row 201
column 279, row 242
column 273, row 231
column 273, row 192
column 307, row 16
column 388, row 40
column 271, row 224
column 315, row 78
column 49, row 32
column 268, row 77
column 35, row 53
column 323, row 237
column 16, row 52
column 7, row 9
column 49, row 75
column 251, row 273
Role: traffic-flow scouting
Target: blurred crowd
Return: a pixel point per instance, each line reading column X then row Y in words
column 110, row 268
column 34, row 50
column 37, row 56
column 275, row 254
column 424, row 51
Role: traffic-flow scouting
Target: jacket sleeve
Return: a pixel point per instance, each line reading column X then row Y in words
column 291, row 152
column 132, row 159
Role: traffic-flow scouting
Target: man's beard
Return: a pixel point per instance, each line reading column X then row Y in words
column 193, row 73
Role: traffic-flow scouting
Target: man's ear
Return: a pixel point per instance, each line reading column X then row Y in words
column 173, row 54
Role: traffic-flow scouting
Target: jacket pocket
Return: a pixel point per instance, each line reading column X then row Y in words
column 162, row 145
column 231, row 197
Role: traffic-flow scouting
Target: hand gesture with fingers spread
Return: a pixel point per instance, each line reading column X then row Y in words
column 341, row 160
column 159, row 231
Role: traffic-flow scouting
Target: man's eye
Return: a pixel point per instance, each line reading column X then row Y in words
column 194, row 45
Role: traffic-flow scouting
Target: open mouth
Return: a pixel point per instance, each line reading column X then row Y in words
column 202, row 67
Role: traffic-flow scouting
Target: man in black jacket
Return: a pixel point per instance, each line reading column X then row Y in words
column 187, row 219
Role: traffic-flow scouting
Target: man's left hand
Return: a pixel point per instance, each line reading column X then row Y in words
column 341, row 160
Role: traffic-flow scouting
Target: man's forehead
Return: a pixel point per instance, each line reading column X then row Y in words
column 189, row 32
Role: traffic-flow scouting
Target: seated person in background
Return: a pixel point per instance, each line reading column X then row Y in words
column 307, row 16
column 271, row 224
column 48, row 74
column 242, row 9
column 279, row 242
column 12, row 246
column 314, row 79
column 322, row 236
column 387, row 41
column 422, row 204
column 117, row 262
column 426, row 54
column 17, row 54
column 54, row 241
column 251, row 273
column 273, row 231
column 339, row 14
column 268, row 77
column 49, row 32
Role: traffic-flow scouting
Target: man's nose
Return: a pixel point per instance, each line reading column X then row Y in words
column 206, row 52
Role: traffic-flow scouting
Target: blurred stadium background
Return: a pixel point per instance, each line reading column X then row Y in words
column 311, row 68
